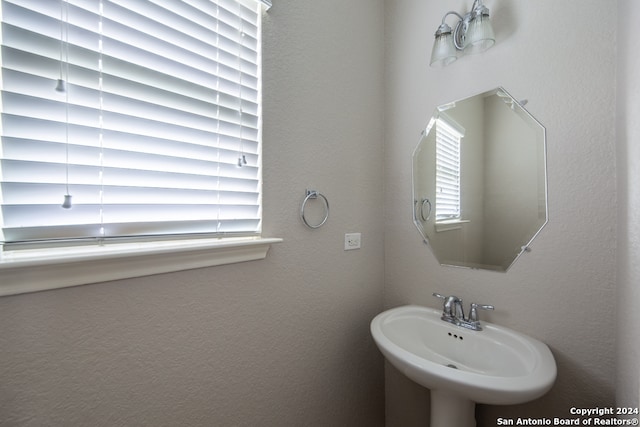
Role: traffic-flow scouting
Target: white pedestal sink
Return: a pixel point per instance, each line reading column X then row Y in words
column 462, row 367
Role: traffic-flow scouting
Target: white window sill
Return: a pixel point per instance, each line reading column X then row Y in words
column 38, row 270
column 454, row 224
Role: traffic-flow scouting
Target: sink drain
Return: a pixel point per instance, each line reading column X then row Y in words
column 450, row 365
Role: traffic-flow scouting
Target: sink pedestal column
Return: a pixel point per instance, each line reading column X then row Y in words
column 451, row 410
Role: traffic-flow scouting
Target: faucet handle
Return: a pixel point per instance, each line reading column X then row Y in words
column 473, row 314
column 435, row 294
column 447, row 298
column 452, row 306
column 446, row 308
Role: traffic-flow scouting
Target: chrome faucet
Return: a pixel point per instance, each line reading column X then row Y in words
column 453, row 312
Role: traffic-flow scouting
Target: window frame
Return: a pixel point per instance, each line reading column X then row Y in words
column 37, row 269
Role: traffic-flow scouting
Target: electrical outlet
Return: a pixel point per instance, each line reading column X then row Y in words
column 352, row 241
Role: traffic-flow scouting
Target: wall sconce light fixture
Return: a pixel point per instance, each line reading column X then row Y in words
column 473, row 34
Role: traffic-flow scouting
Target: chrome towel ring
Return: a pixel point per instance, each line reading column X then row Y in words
column 313, row 194
column 419, row 209
column 425, row 202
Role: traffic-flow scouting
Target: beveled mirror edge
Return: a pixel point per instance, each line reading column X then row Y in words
column 425, row 131
column 527, row 246
column 416, row 221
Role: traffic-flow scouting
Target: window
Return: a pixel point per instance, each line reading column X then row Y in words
column 448, row 195
column 146, row 113
column 157, row 132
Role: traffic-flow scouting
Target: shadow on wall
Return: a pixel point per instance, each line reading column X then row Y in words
column 405, row 393
column 503, row 20
column 576, row 379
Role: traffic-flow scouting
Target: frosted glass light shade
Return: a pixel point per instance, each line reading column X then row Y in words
column 443, row 52
column 479, row 36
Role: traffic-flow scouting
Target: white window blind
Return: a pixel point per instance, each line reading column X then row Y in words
column 448, row 136
column 157, row 133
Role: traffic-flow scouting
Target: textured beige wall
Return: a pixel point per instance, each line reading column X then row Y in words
column 628, row 279
column 563, row 292
column 279, row 342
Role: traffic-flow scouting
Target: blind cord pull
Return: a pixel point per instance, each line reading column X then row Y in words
column 61, row 87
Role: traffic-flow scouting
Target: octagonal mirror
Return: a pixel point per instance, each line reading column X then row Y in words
column 479, row 181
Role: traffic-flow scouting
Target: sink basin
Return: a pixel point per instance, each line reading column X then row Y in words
column 462, row 367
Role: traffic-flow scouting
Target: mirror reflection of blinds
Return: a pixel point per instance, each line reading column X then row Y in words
column 447, row 170
column 163, row 101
